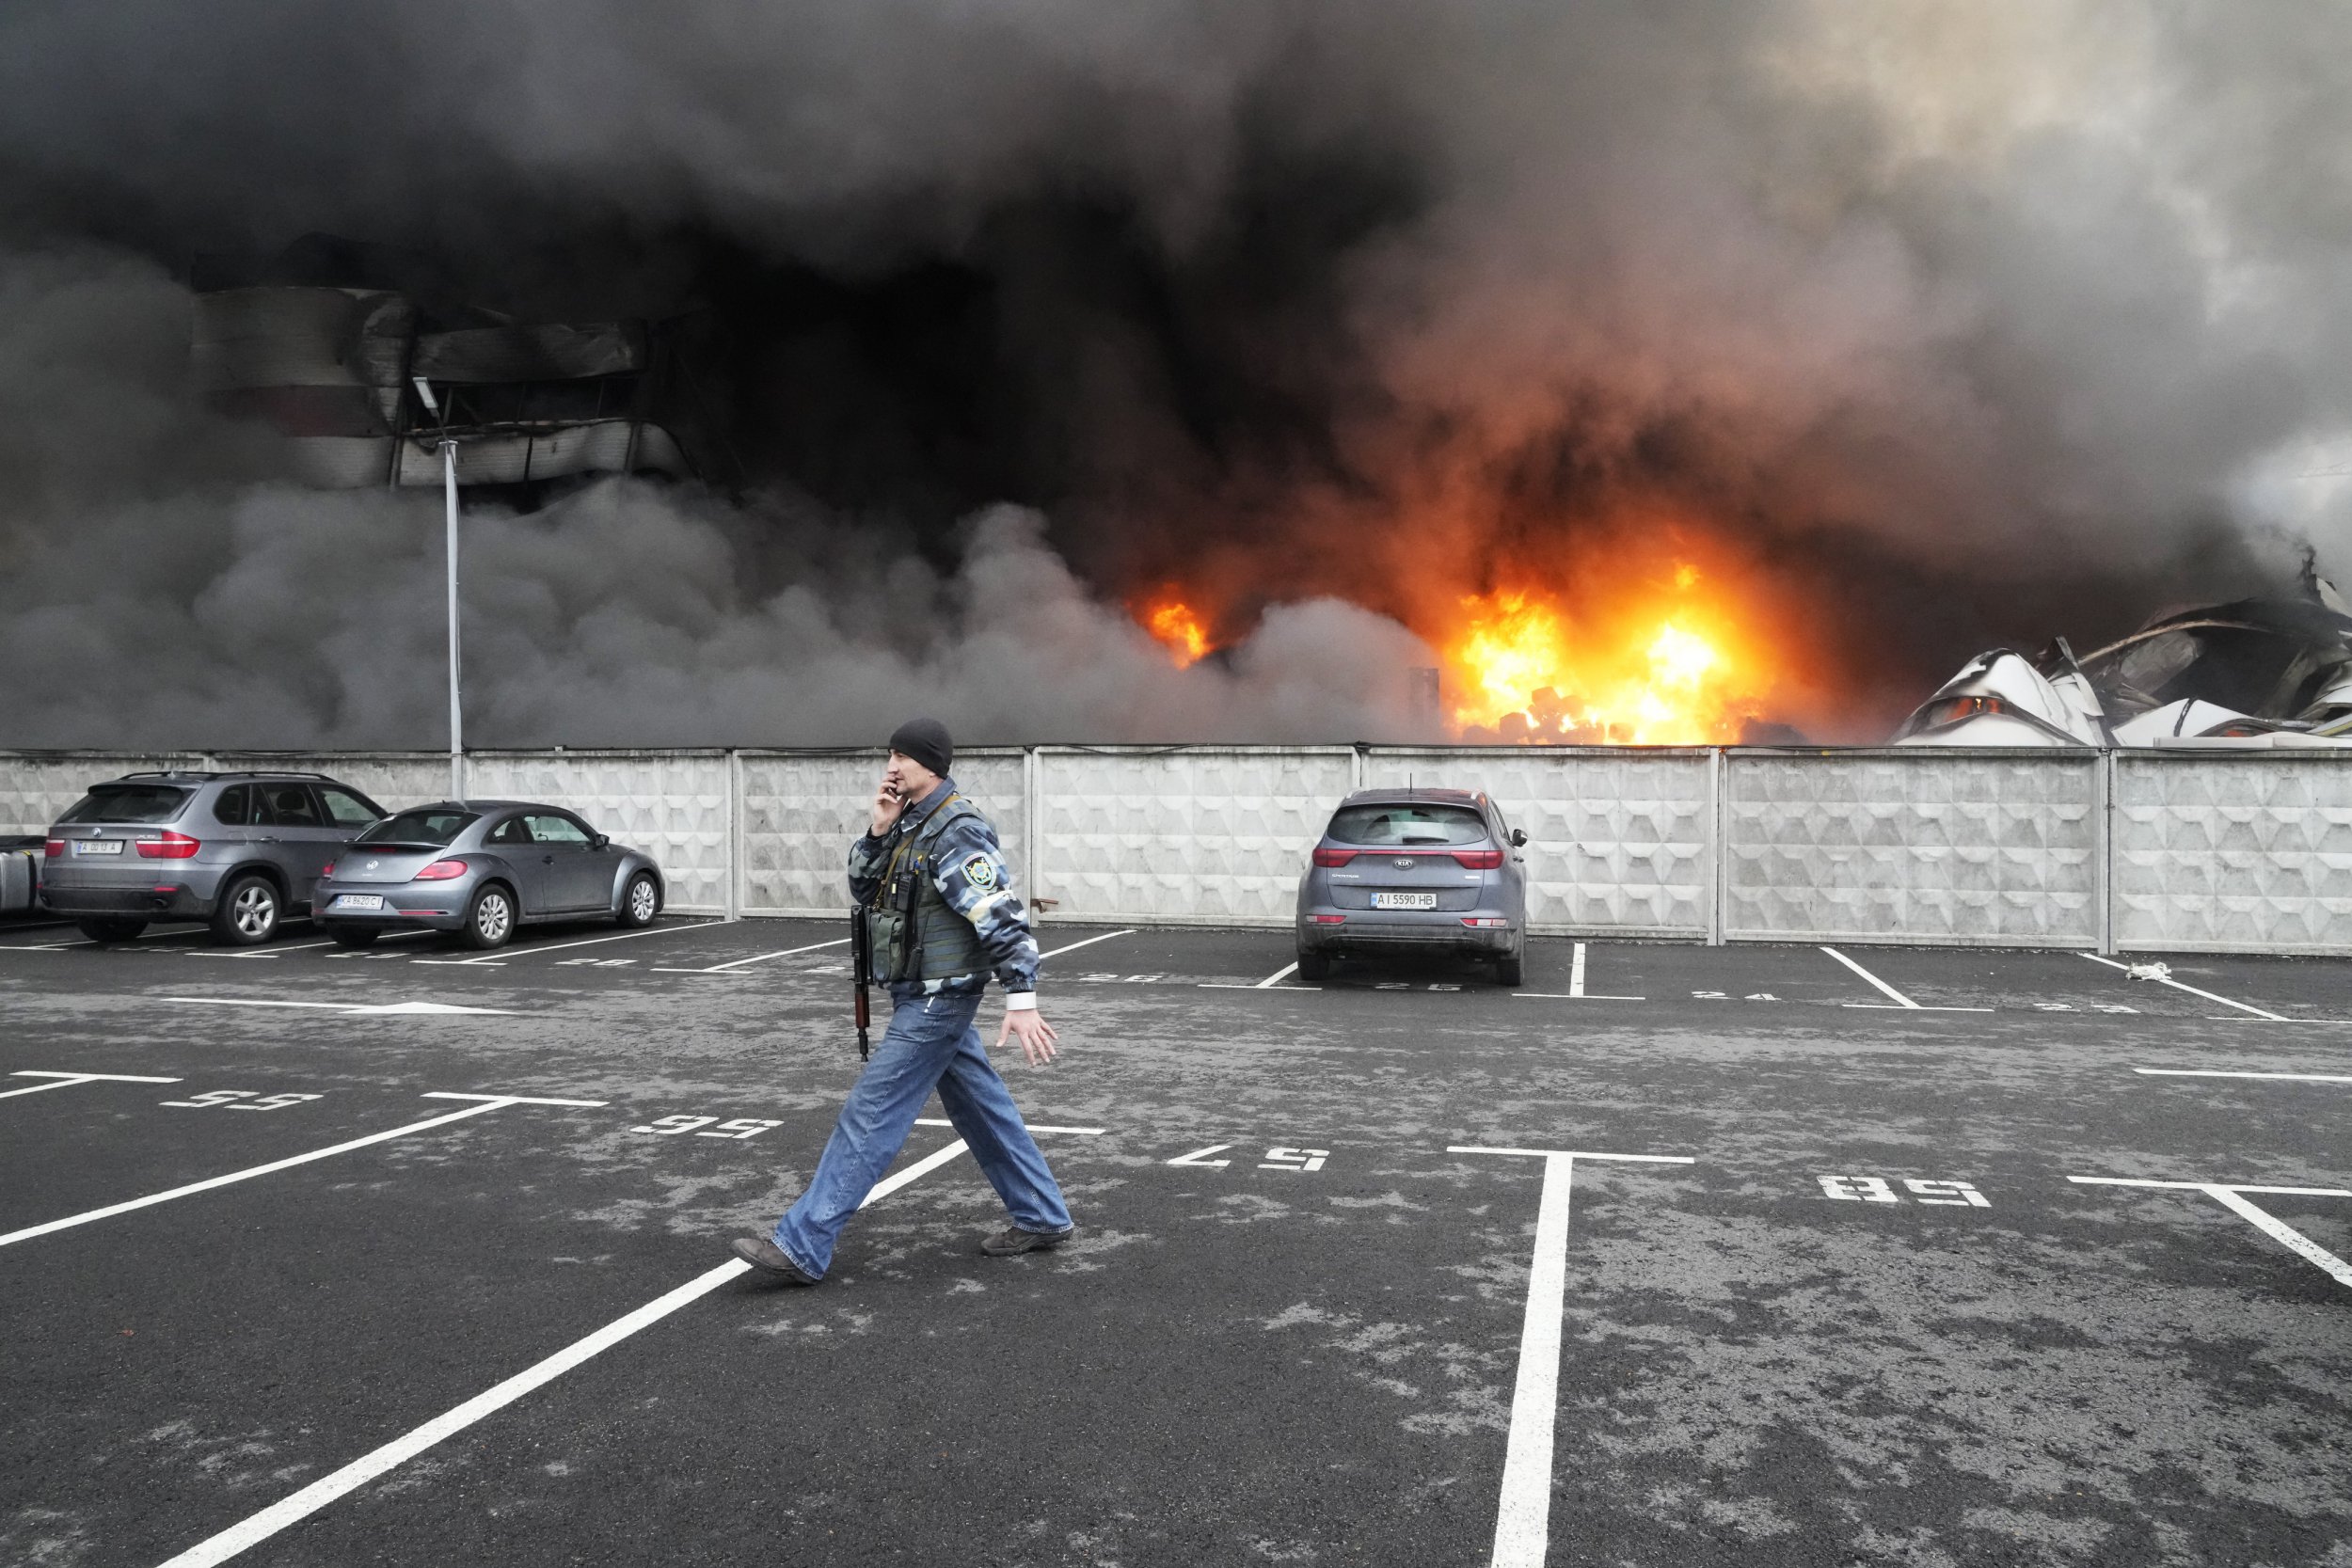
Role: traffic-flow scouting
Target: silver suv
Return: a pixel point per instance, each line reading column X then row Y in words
column 241, row 850
column 1415, row 869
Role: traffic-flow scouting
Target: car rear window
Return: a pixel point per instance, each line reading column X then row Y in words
column 129, row 804
column 420, row 826
column 1407, row 824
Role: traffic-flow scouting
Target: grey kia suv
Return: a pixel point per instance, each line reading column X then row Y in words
column 1415, row 869
column 241, row 850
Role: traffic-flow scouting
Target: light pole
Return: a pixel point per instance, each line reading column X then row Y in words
column 449, row 491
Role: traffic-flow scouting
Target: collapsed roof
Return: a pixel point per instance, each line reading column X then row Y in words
column 2254, row 672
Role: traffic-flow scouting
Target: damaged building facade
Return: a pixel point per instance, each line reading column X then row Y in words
column 332, row 371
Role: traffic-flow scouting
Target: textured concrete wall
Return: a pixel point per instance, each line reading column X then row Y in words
column 673, row 806
column 802, row 808
column 1203, row 835
column 1945, row 848
column 36, row 788
column 1618, row 842
column 2248, row 854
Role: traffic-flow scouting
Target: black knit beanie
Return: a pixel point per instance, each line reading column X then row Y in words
column 925, row 740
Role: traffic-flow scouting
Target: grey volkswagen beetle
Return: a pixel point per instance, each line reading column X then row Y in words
column 481, row 869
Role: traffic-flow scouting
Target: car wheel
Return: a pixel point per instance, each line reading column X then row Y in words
column 247, row 916
column 1510, row 967
column 355, row 936
column 111, row 931
column 643, row 900
column 1314, row 966
column 489, row 919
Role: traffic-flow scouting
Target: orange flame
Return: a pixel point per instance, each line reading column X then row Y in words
column 1670, row 666
column 1179, row 630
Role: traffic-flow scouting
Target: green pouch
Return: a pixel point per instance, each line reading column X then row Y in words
column 889, row 934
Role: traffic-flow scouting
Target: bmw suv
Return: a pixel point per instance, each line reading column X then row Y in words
column 1434, row 869
column 239, row 850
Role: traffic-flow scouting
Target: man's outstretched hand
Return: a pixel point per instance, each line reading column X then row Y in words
column 1036, row 1036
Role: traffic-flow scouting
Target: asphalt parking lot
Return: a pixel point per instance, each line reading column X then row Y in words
column 1749, row 1255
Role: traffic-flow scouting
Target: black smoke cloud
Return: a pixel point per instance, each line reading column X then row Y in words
column 1968, row 324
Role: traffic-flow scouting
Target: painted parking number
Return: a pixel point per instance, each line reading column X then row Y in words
column 237, row 1100
column 743, row 1126
column 1276, row 1159
column 1877, row 1188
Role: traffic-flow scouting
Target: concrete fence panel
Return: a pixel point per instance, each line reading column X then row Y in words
column 802, row 808
column 2193, row 851
column 2233, row 854
column 1618, row 842
column 38, row 787
column 674, row 805
column 1200, row 836
column 1914, row 846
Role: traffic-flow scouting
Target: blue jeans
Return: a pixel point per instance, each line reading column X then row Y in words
column 930, row 1044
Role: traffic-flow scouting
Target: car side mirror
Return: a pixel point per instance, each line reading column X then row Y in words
column 598, row 841
column 1518, row 838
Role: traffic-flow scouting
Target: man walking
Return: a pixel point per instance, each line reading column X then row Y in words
column 933, row 886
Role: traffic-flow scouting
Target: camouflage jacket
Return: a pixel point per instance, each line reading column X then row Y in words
column 971, row 875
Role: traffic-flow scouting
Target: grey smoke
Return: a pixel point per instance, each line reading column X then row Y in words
column 1970, row 322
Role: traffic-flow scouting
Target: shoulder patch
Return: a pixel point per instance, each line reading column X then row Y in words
column 981, row 872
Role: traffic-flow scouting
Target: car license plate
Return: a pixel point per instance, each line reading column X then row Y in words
column 1403, row 900
column 360, row 901
column 98, row 847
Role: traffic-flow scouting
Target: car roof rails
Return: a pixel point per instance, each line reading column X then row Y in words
column 230, row 773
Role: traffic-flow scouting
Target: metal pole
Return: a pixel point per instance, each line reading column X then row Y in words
column 456, row 713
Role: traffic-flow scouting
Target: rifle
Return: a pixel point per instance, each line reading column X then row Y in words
column 862, row 973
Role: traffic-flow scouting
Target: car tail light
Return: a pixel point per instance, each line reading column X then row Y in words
column 440, row 871
column 52, row 849
column 1484, row 922
column 1480, row 859
column 327, row 870
column 1334, row 857
column 171, row 847
column 1329, row 919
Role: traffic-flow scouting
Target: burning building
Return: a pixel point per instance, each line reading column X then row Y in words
column 1656, row 372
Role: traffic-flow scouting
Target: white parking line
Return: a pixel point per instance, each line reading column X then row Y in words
column 1269, row 982
column 379, row 1010
column 66, row 1080
column 2177, row 985
column 755, row 958
column 489, row 1102
column 2230, row 1194
column 587, row 941
column 1523, row 1519
column 1900, row 999
column 1034, row 1127
column 1576, row 992
column 360, row 1471
column 1088, row 943
column 143, row 936
column 2281, row 1077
